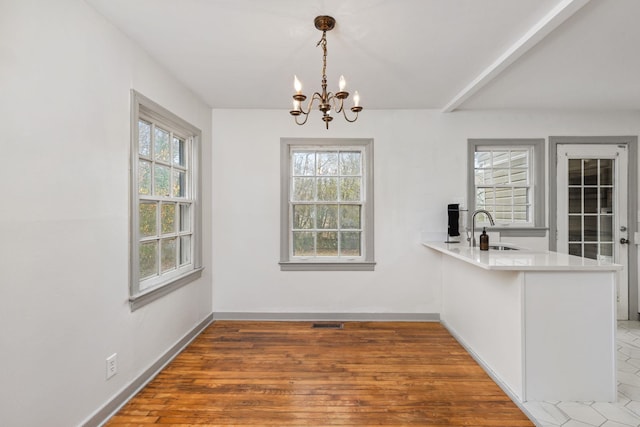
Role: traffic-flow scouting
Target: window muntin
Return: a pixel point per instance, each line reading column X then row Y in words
column 503, row 184
column 165, row 213
column 326, row 203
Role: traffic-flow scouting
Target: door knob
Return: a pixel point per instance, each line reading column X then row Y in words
column 624, row 241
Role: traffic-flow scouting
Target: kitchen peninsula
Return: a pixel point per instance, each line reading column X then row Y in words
column 542, row 323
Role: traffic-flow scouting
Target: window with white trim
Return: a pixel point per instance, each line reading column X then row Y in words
column 507, row 181
column 165, row 218
column 327, row 211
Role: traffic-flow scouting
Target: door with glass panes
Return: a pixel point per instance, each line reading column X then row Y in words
column 592, row 207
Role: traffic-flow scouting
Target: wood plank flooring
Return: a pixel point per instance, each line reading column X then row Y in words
column 288, row 374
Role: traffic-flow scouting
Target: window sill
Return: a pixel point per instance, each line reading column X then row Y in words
column 327, row 266
column 515, row 231
column 144, row 298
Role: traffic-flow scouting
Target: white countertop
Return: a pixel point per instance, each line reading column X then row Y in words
column 520, row 260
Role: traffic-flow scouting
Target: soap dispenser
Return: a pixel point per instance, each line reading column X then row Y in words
column 484, row 240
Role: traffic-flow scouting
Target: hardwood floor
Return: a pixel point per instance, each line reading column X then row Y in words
column 288, row 374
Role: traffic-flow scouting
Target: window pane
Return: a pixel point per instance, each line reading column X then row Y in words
column 162, row 180
column 179, row 156
column 519, row 177
column 520, row 196
column 504, row 196
column 482, row 159
column 147, row 218
column 606, row 200
column 591, row 251
column 350, row 243
column 575, row 249
column 327, row 163
column 350, row 163
column 606, row 228
column 303, row 243
column 575, row 172
column 303, row 216
column 350, row 190
column 501, row 176
column 328, row 189
column 500, row 159
column 161, row 146
column 350, row 216
column 185, row 250
column 606, row 250
column 303, row 189
column 484, row 196
column 575, row 200
column 483, row 177
column 590, row 174
column 590, row 229
column 521, row 213
column 185, row 217
column 168, row 218
column 304, row 163
column 148, row 259
column 519, row 159
column 168, row 254
column 144, row 177
column 144, row 138
column 575, row 228
column 327, row 243
column 590, row 200
column 327, row 216
column 606, row 172
column 503, row 213
column 179, row 178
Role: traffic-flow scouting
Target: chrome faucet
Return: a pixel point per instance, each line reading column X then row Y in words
column 472, row 239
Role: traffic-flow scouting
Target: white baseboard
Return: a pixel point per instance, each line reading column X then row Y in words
column 490, row 372
column 119, row 400
column 354, row 317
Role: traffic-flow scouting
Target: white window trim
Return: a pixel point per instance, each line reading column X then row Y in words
column 141, row 105
column 537, row 147
column 287, row 262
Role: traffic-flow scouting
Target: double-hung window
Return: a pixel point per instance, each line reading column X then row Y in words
column 165, row 206
column 507, row 181
column 327, row 204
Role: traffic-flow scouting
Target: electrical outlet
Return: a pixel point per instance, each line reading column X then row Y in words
column 112, row 365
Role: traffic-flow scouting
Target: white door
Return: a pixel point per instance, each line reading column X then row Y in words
column 592, row 208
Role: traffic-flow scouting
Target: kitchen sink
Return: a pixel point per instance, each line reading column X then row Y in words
column 501, row 247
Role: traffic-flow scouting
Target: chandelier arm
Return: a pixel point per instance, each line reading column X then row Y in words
column 315, row 96
column 344, row 113
column 306, row 117
column 337, row 102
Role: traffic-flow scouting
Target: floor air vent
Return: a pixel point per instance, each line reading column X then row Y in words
column 325, row 325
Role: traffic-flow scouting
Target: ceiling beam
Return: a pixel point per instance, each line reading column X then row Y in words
column 552, row 20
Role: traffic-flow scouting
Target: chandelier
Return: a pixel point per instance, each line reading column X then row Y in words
column 327, row 101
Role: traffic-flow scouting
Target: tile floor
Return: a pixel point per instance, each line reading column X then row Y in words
column 623, row 413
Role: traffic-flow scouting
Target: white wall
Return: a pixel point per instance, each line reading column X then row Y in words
column 65, row 77
column 420, row 160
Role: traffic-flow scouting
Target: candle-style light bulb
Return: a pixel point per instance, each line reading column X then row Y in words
column 297, row 85
column 342, row 83
column 356, row 99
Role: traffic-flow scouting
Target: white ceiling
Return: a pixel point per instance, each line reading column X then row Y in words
column 574, row 54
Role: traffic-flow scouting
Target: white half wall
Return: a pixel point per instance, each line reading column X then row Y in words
column 420, row 167
column 65, row 77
